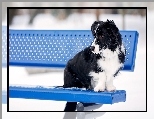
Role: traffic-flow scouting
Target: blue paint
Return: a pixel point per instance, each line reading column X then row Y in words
column 60, row 94
column 53, row 48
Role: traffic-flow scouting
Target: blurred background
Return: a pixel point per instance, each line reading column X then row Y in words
column 30, row 15
column 72, row 18
column 126, row 19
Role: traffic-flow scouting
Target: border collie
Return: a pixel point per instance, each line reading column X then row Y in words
column 95, row 67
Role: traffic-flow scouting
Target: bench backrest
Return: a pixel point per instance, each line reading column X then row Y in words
column 53, row 48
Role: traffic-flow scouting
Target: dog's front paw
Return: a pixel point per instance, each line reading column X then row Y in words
column 111, row 88
column 99, row 88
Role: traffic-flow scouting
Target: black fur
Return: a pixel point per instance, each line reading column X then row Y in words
column 107, row 35
column 77, row 69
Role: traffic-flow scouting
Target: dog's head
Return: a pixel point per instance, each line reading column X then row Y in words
column 106, row 35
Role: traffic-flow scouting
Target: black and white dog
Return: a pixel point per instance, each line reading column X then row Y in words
column 96, row 66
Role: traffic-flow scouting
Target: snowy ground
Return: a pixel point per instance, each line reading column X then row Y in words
column 134, row 83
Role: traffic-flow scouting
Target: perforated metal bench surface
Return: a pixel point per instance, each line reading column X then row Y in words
column 53, row 48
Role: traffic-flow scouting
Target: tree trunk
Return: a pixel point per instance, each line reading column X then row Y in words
column 97, row 14
column 33, row 13
column 123, row 18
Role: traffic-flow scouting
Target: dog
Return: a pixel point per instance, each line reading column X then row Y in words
column 95, row 67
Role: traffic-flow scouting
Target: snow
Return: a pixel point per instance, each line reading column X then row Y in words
column 133, row 82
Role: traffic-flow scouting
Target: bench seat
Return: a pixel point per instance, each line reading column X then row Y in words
column 68, row 94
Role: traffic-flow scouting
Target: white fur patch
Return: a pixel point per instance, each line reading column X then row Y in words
column 123, row 48
column 96, row 50
column 95, row 79
column 99, row 80
column 109, row 65
column 109, row 84
column 97, row 28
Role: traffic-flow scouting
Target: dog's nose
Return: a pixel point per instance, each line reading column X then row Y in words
column 92, row 48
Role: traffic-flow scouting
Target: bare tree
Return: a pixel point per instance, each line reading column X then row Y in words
column 33, row 13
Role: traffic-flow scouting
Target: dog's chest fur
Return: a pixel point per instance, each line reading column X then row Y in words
column 110, row 61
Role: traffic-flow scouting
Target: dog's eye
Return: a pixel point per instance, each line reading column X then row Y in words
column 101, row 36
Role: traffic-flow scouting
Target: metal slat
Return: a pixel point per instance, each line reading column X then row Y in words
column 71, row 94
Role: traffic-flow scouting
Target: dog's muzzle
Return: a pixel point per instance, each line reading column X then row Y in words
column 92, row 48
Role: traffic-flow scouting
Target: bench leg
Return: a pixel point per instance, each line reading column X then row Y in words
column 70, row 107
column 84, row 115
column 87, row 106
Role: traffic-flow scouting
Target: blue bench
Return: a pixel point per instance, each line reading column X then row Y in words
column 53, row 48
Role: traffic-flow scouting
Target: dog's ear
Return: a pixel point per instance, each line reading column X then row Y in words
column 110, row 21
column 94, row 27
column 95, row 22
